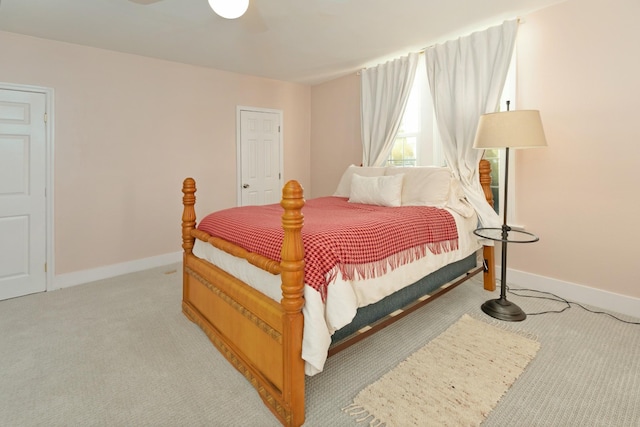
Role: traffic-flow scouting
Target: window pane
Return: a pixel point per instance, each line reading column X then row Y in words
column 411, row 117
column 403, row 152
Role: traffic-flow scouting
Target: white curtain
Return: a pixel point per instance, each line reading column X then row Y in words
column 466, row 77
column 385, row 90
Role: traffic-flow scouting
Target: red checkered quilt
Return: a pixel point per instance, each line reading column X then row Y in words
column 355, row 240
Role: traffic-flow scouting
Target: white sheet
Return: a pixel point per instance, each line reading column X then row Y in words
column 343, row 297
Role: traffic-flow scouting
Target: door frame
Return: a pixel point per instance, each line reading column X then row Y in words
column 239, row 109
column 49, row 165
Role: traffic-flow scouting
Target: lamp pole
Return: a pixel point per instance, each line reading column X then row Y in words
column 505, row 230
column 501, row 308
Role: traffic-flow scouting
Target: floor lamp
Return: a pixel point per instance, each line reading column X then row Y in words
column 508, row 129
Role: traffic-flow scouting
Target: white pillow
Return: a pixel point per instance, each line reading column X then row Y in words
column 344, row 187
column 424, row 185
column 376, row 190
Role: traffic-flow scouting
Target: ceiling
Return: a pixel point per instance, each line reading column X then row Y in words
column 303, row 41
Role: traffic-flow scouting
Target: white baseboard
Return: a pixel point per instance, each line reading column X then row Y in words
column 609, row 301
column 85, row 276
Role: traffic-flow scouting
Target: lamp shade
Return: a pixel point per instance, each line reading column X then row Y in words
column 517, row 129
column 229, row 9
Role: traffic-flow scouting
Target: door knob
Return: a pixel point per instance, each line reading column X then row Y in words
column 245, row 186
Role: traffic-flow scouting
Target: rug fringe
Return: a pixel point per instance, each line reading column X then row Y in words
column 504, row 326
column 360, row 414
column 353, row 409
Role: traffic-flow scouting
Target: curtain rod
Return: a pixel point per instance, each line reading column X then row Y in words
column 422, row 51
column 518, row 20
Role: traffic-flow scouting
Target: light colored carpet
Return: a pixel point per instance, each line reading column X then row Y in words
column 462, row 374
column 119, row 352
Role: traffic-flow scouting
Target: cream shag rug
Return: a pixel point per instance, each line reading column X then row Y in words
column 455, row 380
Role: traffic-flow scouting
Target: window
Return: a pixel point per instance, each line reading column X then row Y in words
column 405, row 147
column 417, row 142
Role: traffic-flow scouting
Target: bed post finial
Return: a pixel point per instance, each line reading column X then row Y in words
column 188, row 214
column 485, row 180
column 292, row 275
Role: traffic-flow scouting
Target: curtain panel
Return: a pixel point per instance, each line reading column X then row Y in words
column 466, row 77
column 385, row 90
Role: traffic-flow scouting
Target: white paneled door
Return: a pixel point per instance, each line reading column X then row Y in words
column 22, row 193
column 260, row 157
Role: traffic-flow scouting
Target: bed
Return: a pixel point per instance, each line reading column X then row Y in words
column 274, row 319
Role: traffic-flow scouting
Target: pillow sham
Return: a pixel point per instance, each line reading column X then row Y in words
column 344, row 187
column 424, row 185
column 376, row 190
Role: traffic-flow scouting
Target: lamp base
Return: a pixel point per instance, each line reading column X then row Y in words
column 503, row 310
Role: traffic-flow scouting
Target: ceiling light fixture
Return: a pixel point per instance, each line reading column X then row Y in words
column 229, row 9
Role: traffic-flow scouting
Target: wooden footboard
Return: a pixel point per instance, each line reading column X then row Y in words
column 260, row 337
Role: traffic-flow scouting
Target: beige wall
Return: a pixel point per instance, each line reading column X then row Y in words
column 577, row 64
column 125, row 128
column 335, row 134
column 129, row 129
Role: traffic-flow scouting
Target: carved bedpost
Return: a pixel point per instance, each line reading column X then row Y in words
column 292, row 267
column 188, row 214
column 488, row 252
column 292, row 248
column 485, row 180
column 188, row 224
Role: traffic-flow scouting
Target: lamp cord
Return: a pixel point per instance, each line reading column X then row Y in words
column 553, row 297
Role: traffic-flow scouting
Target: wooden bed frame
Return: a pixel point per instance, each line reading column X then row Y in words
column 260, row 337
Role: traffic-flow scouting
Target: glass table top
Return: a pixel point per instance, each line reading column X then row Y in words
column 512, row 236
